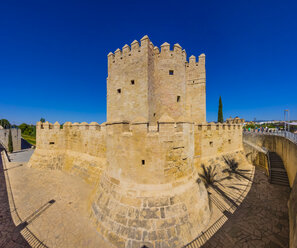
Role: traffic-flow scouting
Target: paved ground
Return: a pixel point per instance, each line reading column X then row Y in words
column 9, row 234
column 260, row 221
column 21, row 156
column 52, row 206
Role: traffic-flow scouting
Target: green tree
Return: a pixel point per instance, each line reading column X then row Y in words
column 5, row 123
column 220, row 111
column 42, row 120
column 23, row 127
column 27, row 129
column 10, row 144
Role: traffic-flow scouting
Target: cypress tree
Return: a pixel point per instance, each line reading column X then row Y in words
column 220, row 112
column 10, row 145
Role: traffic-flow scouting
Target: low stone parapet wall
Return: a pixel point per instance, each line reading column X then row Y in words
column 287, row 150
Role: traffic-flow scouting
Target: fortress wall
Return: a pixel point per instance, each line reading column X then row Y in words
column 155, row 203
column 256, row 156
column 77, row 148
column 212, row 140
column 16, row 138
column 286, row 149
column 195, row 89
column 148, row 154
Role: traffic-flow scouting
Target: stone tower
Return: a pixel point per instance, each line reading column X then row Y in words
column 147, row 82
column 148, row 194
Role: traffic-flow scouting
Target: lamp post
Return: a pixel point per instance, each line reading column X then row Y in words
column 286, row 116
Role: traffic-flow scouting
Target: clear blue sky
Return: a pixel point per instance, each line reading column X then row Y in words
column 53, row 54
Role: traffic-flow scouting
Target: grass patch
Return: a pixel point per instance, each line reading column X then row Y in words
column 30, row 139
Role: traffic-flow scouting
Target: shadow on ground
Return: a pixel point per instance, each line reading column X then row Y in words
column 10, row 235
column 25, row 144
column 260, row 221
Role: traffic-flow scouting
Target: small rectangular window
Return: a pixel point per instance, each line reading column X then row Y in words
column 132, row 82
column 211, row 143
column 171, row 72
column 178, row 98
column 52, row 143
column 229, row 141
column 143, row 162
column 119, row 91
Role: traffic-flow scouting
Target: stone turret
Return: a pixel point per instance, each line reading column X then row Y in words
column 148, row 193
column 147, row 81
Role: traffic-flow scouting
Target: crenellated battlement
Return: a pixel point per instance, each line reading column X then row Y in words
column 146, row 46
column 70, row 126
column 120, row 128
column 141, row 126
column 217, row 139
column 218, row 126
column 136, row 49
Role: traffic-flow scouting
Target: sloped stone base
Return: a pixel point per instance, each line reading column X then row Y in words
column 131, row 216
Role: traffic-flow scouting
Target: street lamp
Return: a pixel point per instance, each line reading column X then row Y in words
column 286, row 114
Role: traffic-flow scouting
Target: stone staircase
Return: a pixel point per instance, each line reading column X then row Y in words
column 278, row 172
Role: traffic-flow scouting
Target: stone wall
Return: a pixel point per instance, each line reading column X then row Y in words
column 148, row 194
column 79, row 149
column 16, row 138
column 292, row 204
column 287, row 150
column 144, row 174
column 256, row 155
column 213, row 140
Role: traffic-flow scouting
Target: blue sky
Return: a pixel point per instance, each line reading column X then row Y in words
column 53, row 54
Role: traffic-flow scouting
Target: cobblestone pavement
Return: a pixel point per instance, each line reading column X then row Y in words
column 260, row 221
column 52, row 205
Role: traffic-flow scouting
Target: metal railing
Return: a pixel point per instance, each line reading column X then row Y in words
column 288, row 135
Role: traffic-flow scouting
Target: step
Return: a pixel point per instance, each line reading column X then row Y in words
column 279, row 175
column 279, row 179
column 278, row 169
column 277, row 163
column 279, row 182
